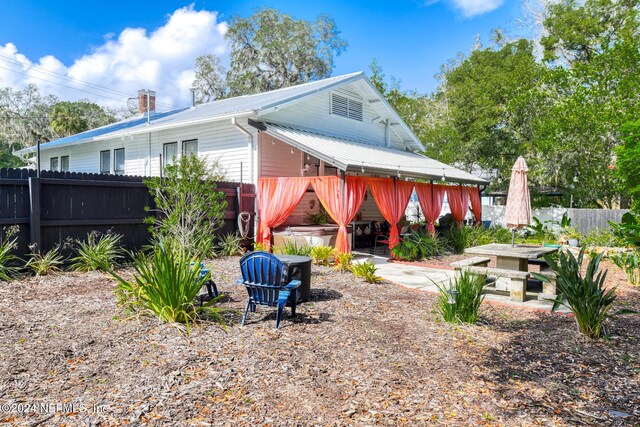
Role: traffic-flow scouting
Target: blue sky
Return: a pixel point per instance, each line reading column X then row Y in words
column 411, row 39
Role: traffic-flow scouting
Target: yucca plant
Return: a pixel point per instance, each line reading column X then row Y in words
column 43, row 264
column 98, row 252
column 585, row 295
column 229, row 245
column 291, row 247
column 7, row 258
column 320, row 254
column 343, row 261
column 460, row 301
column 366, row 270
column 257, row 246
column 165, row 284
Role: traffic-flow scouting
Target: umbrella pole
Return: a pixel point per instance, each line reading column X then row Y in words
column 513, row 237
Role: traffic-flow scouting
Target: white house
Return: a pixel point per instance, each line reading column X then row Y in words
column 320, row 128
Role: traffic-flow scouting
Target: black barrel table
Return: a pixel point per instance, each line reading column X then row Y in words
column 298, row 268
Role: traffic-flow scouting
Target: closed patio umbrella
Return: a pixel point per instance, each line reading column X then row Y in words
column 518, row 210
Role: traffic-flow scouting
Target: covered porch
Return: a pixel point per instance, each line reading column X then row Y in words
column 300, row 171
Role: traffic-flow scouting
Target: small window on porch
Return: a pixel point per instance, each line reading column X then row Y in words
column 53, row 164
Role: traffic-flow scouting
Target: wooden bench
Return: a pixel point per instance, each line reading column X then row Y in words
column 518, row 280
column 471, row 262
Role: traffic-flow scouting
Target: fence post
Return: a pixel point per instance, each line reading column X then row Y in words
column 34, row 212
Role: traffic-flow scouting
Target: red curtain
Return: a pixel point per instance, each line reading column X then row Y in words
column 476, row 203
column 458, row 197
column 392, row 198
column 430, row 197
column 277, row 198
column 341, row 208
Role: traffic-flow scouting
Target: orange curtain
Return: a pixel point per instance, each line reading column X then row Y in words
column 392, row 197
column 476, row 203
column 341, row 208
column 277, row 198
column 458, row 197
column 430, row 197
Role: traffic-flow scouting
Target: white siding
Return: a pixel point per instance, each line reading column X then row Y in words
column 217, row 140
column 314, row 113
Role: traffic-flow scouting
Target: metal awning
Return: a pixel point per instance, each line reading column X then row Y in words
column 355, row 156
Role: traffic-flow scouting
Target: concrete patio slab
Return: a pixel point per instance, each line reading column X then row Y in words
column 424, row 279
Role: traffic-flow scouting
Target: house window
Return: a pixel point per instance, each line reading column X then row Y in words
column 118, row 161
column 64, row 163
column 53, row 164
column 105, row 161
column 190, row 147
column 346, row 107
column 169, row 153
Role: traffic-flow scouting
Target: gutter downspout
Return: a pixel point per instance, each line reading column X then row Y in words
column 149, row 134
column 249, row 135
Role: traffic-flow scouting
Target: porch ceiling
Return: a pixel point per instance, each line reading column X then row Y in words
column 354, row 156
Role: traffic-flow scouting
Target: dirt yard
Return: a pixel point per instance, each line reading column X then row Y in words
column 358, row 354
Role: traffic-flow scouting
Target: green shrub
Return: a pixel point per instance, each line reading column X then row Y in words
column 188, row 208
column 629, row 262
column 457, row 238
column 366, row 270
column 43, row 264
column 165, row 284
column 585, row 295
column 229, row 245
column 7, row 258
column 98, row 252
column 603, row 237
column 343, row 262
column 291, row 247
column 321, row 254
column 321, row 217
column 628, row 229
column 418, row 245
column 459, row 302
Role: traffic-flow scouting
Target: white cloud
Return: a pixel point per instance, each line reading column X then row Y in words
column 471, row 8
column 162, row 60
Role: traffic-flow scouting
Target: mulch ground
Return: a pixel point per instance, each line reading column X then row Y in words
column 357, row 354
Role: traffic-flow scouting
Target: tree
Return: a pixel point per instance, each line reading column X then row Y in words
column 209, row 82
column 24, row 116
column 627, row 166
column 592, row 49
column 271, row 50
column 68, row 118
column 189, row 209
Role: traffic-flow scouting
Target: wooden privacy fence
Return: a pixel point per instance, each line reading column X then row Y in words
column 59, row 207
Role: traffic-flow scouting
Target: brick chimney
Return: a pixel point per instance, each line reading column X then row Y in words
column 142, row 101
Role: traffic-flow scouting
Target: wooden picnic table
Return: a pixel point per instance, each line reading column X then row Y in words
column 511, row 257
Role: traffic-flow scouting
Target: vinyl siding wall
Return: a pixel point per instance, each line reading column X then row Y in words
column 314, row 113
column 217, row 140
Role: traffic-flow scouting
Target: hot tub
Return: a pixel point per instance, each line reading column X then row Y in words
column 313, row 235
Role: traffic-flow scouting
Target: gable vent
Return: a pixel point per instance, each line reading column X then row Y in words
column 346, row 107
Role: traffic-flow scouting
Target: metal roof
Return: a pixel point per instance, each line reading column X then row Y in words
column 356, row 156
column 212, row 111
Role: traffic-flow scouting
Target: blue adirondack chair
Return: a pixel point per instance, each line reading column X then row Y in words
column 263, row 275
